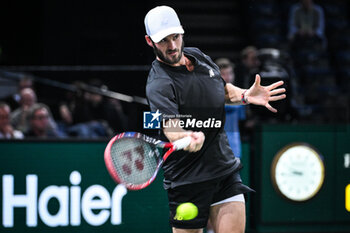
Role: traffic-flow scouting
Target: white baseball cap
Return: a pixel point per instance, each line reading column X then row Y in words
column 161, row 22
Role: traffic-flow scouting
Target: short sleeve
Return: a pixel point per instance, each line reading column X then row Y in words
column 161, row 96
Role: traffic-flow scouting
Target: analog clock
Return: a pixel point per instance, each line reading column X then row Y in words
column 297, row 172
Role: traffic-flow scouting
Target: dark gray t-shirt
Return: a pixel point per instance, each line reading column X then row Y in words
column 201, row 95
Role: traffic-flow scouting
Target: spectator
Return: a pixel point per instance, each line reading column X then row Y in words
column 6, row 129
column 234, row 113
column 247, row 68
column 306, row 25
column 91, row 114
column 39, row 122
column 102, row 108
column 14, row 100
column 245, row 72
column 20, row 115
column 226, row 69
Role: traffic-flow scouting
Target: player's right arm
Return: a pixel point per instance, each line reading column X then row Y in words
column 174, row 132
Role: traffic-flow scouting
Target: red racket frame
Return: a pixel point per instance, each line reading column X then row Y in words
column 112, row 171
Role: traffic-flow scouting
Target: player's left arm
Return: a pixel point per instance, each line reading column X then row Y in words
column 233, row 94
column 256, row 94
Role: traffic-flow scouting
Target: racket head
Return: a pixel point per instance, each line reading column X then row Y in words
column 133, row 159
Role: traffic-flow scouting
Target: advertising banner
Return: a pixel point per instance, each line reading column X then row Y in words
column 65, row 187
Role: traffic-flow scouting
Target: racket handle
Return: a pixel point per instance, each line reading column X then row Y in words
column 182, row 143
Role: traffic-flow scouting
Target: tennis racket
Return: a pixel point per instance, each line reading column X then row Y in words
column 134, row 159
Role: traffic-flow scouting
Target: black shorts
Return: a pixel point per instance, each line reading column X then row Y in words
column 203, row 194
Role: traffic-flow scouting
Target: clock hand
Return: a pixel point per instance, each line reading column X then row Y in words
column 297, row 173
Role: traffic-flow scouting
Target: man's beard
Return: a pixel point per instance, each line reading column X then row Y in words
column 163, row 58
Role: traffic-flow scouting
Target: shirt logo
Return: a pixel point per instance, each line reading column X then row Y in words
column 151, row 120
column 211, row 73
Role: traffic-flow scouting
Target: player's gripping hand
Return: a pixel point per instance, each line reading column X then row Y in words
column 197, row 141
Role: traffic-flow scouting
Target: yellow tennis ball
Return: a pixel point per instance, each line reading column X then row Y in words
column 186, row 211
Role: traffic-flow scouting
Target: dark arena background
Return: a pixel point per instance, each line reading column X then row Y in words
column 78, row 54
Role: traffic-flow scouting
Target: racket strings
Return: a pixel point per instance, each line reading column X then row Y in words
column 134, row 160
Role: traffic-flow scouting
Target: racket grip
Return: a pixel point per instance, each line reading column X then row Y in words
column 182, row 143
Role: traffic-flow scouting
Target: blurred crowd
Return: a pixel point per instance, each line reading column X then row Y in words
column 82, row 114
column 307, row 43
column 309, row 49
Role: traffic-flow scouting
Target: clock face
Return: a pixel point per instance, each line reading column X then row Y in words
column 297, row 172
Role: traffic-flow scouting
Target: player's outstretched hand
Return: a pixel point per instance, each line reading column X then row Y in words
column 262, row 95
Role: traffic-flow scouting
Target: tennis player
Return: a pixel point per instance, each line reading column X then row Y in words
column 184, row 82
